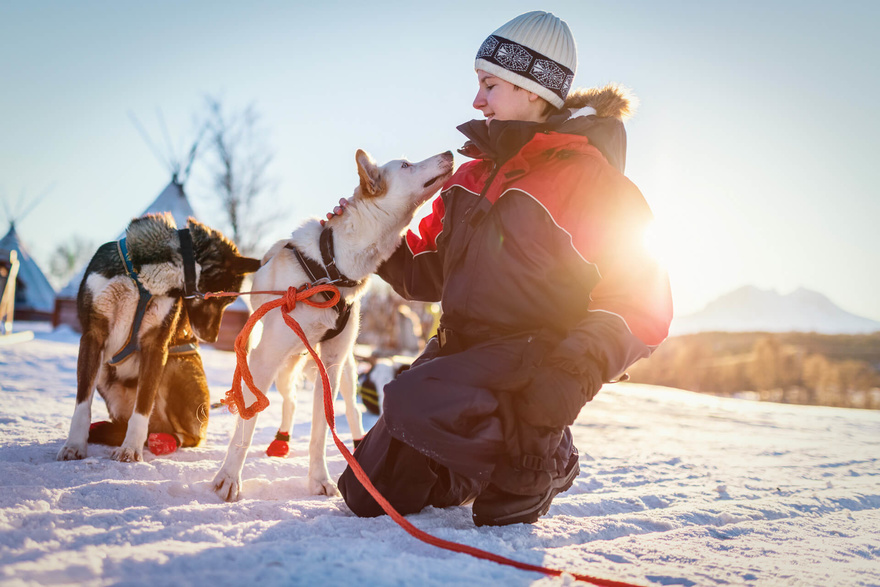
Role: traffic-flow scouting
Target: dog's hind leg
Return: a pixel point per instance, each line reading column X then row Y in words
column 286, row 381
column 87, row 365
column 181, row 408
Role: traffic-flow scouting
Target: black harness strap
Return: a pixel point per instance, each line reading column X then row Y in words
column 144, row 298
column 328, row 256
column 190, row 286
column 327, row 273
column 312, row 268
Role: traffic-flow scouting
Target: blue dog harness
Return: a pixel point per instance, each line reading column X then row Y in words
column 144, row 297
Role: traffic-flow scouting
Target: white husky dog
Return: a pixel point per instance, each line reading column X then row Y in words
column 360, row 240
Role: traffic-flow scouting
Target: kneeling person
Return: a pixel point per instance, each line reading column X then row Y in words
column 535, row 250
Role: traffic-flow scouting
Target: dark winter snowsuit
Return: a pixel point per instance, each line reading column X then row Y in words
column 536, row 252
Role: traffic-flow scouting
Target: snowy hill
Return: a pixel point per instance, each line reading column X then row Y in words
column 750, row 309
column 675, row 488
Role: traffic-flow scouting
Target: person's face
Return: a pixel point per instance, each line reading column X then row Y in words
column 498, row 99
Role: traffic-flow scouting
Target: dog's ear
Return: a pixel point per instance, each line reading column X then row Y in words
column 242, row 265
column 371, row 180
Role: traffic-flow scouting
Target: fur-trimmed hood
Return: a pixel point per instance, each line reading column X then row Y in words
column 596, row 113
column 610, row 101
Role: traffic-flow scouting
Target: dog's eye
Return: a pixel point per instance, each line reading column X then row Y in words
column 404, row 165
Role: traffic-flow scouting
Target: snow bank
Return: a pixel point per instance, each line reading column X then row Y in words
column 675, row 489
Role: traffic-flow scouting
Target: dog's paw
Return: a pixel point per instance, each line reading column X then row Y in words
column 127, row 454
column 322, row 486
column 227, row 486
column 72, row 452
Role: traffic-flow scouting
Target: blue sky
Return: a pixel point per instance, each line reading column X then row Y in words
column 754, row 142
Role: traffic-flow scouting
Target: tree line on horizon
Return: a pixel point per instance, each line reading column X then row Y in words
column 796, row 368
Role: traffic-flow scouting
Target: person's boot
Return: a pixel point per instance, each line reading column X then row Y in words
column 494, row 507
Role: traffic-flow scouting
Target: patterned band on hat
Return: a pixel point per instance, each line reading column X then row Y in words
column 528, row 63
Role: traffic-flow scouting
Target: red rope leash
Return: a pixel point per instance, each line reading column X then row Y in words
column 235, row 403
column 287, row 302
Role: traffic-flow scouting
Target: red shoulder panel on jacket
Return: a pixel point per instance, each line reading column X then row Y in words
column 471, row 176
column 429, row 227
column 606, row 217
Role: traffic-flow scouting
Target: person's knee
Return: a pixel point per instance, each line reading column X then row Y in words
column 408, row 401
column 398, row 409
column 356, row 496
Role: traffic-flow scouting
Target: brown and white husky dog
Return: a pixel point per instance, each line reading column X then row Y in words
column 365, row 236
column 129, row 327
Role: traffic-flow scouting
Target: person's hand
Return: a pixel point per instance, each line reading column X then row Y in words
column 337, row 211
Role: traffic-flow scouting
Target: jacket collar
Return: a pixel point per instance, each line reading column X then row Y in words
column 595, row 113
column 503, row 139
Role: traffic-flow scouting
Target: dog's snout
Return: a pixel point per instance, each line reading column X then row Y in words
column 446, row 160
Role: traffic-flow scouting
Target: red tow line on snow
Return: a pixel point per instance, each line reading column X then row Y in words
column 287, row 301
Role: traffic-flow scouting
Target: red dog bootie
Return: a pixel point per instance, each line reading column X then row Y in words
column 162, row 443
column 280, row 446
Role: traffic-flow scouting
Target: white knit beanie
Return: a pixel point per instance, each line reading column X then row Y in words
column 535, row 51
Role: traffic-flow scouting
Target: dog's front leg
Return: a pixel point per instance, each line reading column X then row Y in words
column 227, row 481
column 264, row 361
column 153, row 355
column 319, row 476
column 152, row 365
column 87, row 365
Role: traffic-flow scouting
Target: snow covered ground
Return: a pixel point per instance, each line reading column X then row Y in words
column 675, row 489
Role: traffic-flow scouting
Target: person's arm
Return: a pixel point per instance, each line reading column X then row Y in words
column 415, row 270
column 630, row 309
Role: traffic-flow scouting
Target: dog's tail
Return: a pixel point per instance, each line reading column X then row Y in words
column 109, row 433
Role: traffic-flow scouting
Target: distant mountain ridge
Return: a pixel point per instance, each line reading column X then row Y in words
column 751, row 309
